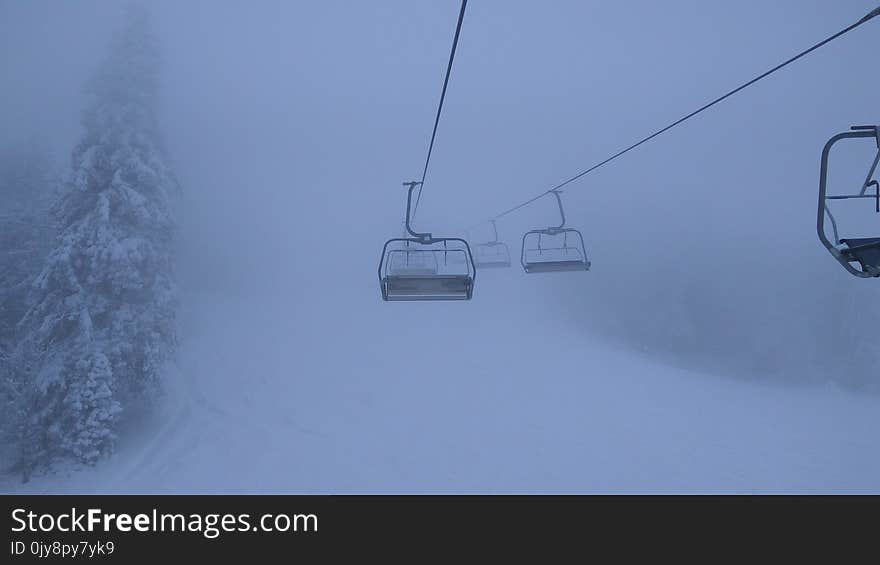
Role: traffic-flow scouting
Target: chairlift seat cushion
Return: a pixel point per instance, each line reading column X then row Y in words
column 556, row 266
column 428, row 287
column 864, row 250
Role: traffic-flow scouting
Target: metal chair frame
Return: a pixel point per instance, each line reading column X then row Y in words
column 426, row 286
column 581, row 264
column 865, row 252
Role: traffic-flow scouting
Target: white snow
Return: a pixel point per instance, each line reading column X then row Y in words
column 296, row 395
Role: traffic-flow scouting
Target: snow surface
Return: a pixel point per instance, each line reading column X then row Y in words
column 285, row 393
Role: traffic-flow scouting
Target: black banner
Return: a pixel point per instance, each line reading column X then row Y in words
column 130, row 529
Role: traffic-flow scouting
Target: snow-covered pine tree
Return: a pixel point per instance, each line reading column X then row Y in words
column 103, row 325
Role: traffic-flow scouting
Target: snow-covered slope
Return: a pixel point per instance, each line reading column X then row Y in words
column 301, row 395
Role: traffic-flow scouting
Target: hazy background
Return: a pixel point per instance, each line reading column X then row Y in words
column 293, row 124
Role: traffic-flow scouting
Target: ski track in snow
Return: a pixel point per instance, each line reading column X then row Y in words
column 343, row 393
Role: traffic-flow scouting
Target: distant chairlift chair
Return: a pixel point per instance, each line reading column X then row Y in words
column 537, row 256
column 492, row 254
column 859, row 256
column 424, row 267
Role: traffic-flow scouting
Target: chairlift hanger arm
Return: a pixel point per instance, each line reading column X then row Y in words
column 553, row 230
column 421, row 237
column 873, row 128
column 494, row 231
column 561, row 209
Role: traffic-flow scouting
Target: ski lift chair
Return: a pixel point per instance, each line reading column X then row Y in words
column 554, row 256
column 859, row 256
column 424, row 267
column 492, row 254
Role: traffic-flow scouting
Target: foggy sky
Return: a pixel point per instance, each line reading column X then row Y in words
column 292, row 124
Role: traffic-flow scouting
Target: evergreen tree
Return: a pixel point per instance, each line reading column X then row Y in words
column 103, row 324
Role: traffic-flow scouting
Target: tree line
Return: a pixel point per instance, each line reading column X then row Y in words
column 88, row 300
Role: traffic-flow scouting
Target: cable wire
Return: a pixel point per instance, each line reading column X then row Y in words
column 868, row 17
column 440, row 106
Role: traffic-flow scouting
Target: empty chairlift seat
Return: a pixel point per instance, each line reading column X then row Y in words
column 492, row 254
column 424, row 267
column 860, row 256
column 554, row 249
column 443, row 270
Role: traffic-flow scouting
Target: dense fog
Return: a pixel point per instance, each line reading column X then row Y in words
column 291, row 126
